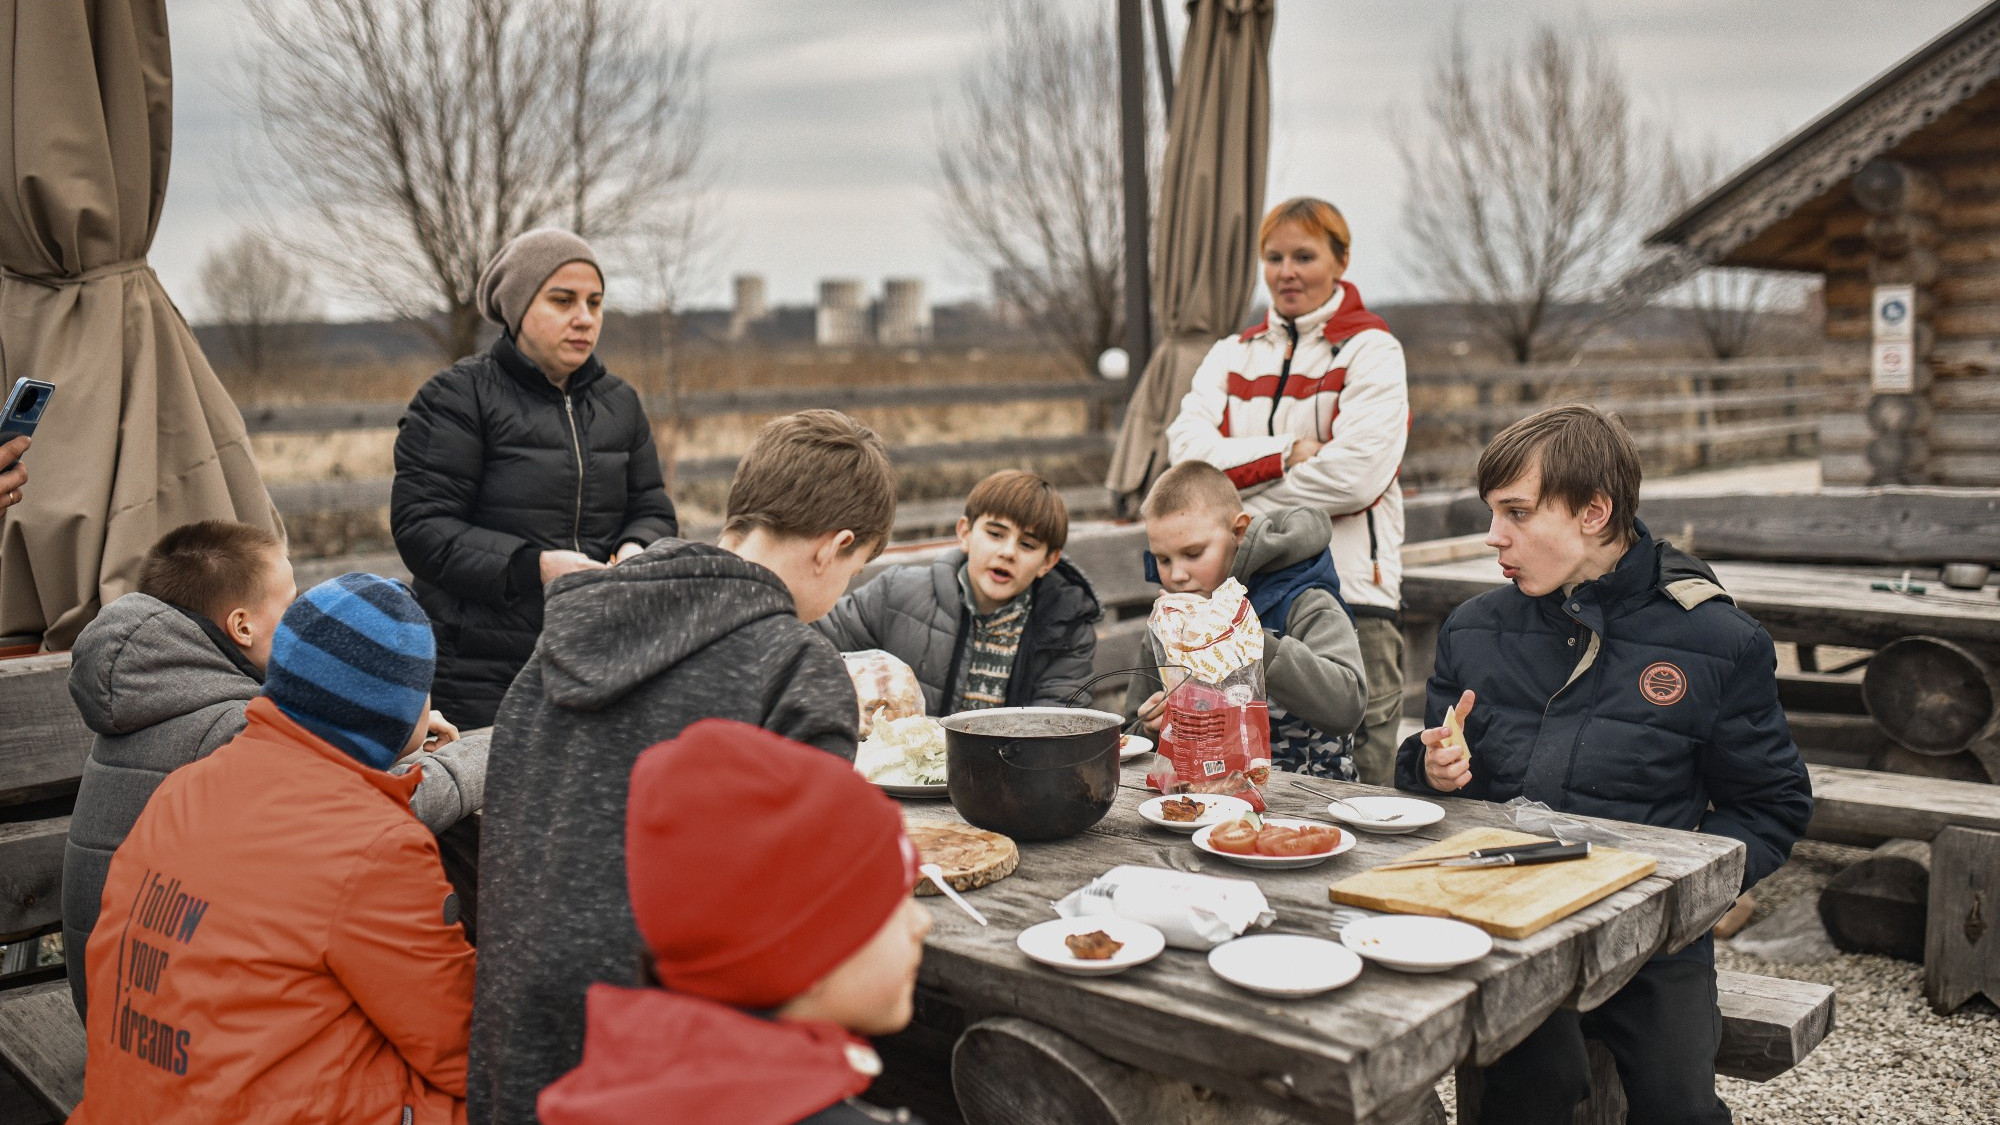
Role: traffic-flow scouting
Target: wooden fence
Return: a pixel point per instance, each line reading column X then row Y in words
column 1683, row 415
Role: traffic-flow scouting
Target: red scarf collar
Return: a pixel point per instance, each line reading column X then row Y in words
column 650, row 1055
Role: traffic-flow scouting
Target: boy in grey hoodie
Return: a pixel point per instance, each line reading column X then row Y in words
column 162, row 676
column 1199, row 535
column 628, row 656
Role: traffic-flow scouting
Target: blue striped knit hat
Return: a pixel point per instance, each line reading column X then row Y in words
column 351, row 662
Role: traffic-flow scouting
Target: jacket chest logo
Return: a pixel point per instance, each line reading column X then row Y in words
column 1663, row 684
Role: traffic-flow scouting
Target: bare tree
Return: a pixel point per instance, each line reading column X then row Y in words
column 1031, row 173
column 418, row 136
column 261, row 299
column 1522, row 187
column 1727, row 310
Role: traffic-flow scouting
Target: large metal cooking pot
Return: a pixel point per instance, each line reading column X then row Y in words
column 1032, row 773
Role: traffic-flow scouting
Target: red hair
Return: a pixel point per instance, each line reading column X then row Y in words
column 1316, row 217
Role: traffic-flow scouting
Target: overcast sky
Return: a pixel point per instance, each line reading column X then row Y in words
column 822, row 114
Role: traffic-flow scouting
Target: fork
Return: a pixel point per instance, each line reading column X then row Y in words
column 1352, row 811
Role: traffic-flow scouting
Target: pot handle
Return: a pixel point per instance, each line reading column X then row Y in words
column 1006, row 754
column 1082, row 696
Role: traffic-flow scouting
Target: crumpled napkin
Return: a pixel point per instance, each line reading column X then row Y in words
column 1196, row 912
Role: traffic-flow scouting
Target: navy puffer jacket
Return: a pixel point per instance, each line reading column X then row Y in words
column 495, row 465
column 1644, row 696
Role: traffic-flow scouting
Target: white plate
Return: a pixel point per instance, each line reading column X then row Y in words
column 1133, row 745
column 1277, row 862
column 1414, row 944
column 939, row 790
column 1216, row 808
column 1289, row 965
column 1415, row 814
column 1044, row 943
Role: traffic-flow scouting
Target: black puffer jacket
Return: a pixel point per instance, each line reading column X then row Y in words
column 1643, row 695
column 918, row 614
column 494, row 465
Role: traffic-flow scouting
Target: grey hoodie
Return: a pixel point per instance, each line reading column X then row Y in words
column 1312, row 660
column 159, row 692
column 628, row 656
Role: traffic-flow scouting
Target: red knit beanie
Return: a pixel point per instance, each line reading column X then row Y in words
column 756, row 864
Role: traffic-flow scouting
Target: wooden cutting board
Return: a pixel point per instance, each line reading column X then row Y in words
column 971, row 857
column 1508, row 902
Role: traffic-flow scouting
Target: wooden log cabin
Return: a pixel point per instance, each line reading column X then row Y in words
column 1899, row 185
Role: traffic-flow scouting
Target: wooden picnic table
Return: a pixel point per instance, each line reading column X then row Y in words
column 1803, row 602
column 1371, row 1051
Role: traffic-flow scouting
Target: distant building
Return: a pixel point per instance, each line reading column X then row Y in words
column 1890, row 198
column 904, row 320
column 749, row 308
column 842, row 316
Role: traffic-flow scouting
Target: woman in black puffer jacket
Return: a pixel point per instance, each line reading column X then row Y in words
column 517, row 466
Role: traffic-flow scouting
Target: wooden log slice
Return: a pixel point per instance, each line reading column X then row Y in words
column 1930, row 695
column 971, row 857
column 1878, row 904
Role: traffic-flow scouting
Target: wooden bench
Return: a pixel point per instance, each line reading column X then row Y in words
column 42, row 1045
column 1769, row 1025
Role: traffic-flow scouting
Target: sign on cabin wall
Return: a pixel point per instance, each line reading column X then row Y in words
column 1893, row 370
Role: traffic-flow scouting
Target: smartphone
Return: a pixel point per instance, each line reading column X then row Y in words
column 25, row 404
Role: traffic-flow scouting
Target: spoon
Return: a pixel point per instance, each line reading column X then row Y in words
column 936, row 875
column 1352, row 811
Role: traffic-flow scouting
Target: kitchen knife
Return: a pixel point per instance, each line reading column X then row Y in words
column 1486, row 853
column 1578, row 850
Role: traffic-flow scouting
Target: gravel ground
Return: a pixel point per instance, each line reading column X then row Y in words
column 1889, row 1060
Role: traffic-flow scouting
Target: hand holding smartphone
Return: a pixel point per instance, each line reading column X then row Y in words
column 18, row 419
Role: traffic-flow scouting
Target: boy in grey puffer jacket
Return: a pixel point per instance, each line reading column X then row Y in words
column 1004, row 621
column 162, row 685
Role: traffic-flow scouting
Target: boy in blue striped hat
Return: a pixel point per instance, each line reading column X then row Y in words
column 299, row 942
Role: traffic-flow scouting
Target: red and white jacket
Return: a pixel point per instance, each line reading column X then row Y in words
column 1334, row 375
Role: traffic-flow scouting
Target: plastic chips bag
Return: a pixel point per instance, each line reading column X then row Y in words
column 886, row 687
column 1216, row 733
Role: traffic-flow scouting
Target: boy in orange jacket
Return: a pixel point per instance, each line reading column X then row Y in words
column 276, row 941
column 778, row 929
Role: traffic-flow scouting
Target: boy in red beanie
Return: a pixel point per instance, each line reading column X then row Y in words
column 780, row 927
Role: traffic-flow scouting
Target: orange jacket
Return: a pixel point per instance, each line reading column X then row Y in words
column 274, row 947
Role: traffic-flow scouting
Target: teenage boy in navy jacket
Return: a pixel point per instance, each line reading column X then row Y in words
column 1612, row 678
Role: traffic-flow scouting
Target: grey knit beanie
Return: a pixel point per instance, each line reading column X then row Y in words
column 517, row 272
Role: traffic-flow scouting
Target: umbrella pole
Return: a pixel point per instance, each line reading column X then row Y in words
column 1138, row 214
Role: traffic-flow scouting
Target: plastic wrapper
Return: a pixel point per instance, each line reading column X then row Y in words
column 1194, row 911
column 1538, row 818
column 886, row 687
column 1215, row 735
column 905, row 751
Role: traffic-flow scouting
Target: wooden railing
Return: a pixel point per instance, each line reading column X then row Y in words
column 1682, row 415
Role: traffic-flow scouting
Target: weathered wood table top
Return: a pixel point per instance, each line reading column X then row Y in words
column 1804, row 602
column 1368, row 1052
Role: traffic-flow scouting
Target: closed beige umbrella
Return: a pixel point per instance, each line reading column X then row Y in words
column 1205, row 233
column 140, row 436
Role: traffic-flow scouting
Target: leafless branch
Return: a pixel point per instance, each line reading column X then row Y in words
column 1031, row 173
column 262, row 300
column 418, row 136
column 1524, row 195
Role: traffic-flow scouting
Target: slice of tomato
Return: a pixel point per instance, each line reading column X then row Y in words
column 1237, row 837
column 1312, row 840
column 1276, row 840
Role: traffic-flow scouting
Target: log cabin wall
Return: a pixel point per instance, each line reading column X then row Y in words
column 1932, row 220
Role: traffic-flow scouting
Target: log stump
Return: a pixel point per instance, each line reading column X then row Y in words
column 1937, row 698
column 1011, row 1071
column 1962, row 947
column 1880, row 904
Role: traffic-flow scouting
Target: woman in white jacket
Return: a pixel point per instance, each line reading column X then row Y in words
column 1311, row 408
